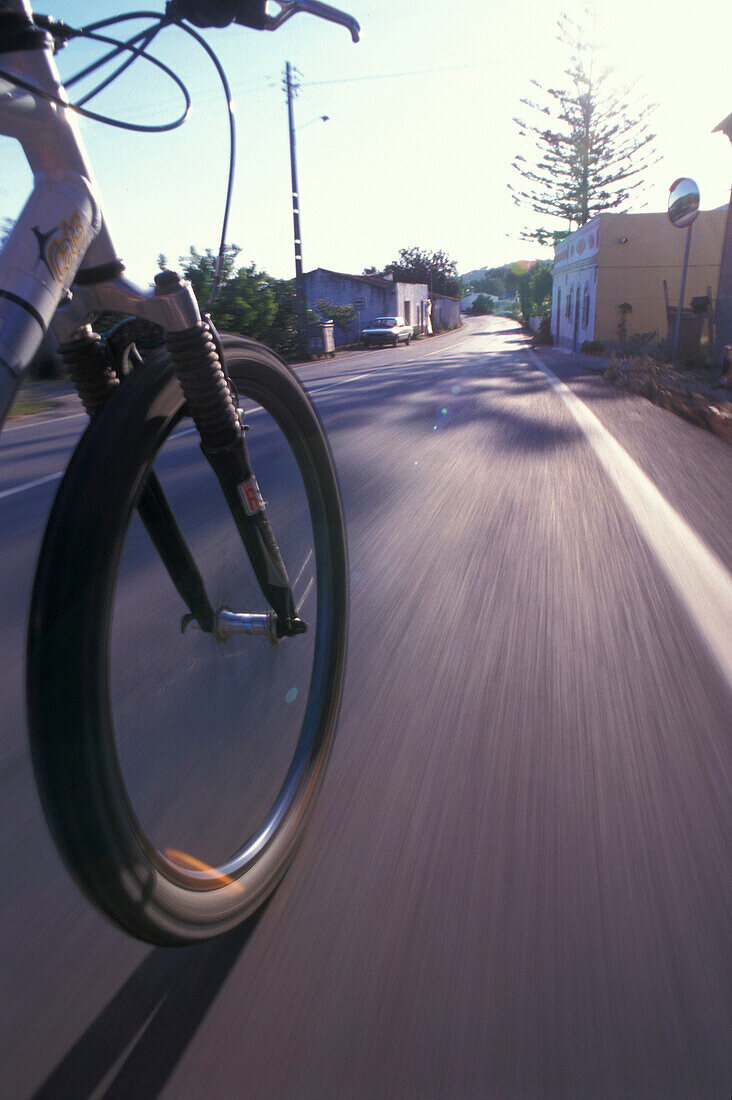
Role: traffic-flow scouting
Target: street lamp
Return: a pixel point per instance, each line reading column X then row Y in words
column 320, row 118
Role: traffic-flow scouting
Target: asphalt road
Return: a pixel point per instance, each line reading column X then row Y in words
column 517, row 879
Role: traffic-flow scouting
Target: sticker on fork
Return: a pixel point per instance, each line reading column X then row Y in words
column 250, row 495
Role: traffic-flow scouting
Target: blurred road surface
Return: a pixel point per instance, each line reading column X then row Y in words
column 517, row 879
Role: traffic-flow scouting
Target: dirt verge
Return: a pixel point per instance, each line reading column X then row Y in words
column 693, row 393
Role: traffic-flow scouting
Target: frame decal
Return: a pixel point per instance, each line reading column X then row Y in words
column 62, row 253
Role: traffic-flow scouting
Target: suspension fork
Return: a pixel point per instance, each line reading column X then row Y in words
column 207, row 390
column 198, row 361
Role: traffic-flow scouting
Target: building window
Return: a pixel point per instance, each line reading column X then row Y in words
column 569, row 303
column 407, row 312
column 586, row 306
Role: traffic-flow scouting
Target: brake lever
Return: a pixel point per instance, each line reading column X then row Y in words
column 288, row 8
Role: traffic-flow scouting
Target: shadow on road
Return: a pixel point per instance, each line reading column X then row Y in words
column 137, row 1040
column 448, row 399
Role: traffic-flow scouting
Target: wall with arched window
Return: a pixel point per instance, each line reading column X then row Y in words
column 573, row 314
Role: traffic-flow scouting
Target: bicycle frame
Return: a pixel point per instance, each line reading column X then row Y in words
column 60, row 240
column 59, row 268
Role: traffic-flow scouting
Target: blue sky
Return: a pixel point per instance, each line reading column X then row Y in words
column 420, row 139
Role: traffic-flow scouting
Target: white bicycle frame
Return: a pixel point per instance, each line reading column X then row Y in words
column 60, row 240
column 58, row 265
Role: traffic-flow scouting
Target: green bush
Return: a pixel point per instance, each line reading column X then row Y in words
column 592, row 347
column 535, row 290
column 482, row 305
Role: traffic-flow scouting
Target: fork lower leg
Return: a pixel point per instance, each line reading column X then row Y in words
column 223, row 442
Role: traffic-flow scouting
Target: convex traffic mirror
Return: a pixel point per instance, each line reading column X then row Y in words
column 683, row 202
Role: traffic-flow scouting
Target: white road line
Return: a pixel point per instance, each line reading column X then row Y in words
column 31, row 485
column 27, row 485
column 701, row 581
column 449, row 348
column 73, row 416
column 316, row 387
column 38, row 423
column 383, row 372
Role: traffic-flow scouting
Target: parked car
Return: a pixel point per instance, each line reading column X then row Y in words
column 386, row 330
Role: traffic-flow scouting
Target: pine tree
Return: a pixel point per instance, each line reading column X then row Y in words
column 590, row 148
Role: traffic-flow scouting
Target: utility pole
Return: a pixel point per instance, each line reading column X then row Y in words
column 301, row 300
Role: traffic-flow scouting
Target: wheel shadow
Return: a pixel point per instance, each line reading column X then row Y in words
column 137, row 1040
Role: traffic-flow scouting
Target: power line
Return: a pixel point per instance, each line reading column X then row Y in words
column 410, row 72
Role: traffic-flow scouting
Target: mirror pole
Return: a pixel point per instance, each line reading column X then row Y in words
column 684, row 269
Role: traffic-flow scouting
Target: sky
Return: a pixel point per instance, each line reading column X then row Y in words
column 420, row 139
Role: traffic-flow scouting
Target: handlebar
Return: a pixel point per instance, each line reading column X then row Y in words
column 313, row 7
column 255, row 13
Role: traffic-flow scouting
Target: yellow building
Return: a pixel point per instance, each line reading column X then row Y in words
column 624, row 258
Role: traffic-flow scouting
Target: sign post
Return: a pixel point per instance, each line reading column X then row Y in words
column 723, row 310
column 358, row 305
column 683, row 207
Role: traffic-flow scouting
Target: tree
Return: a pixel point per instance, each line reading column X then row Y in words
column 342, row 316
column 589, row 147
column 249, row 301
column 491, row 284
column 535, row 290
column 246, row 303
column 200, row 269
column 436, row 269
column 282, row 335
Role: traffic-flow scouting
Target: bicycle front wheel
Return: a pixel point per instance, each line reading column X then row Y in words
column 177, row 768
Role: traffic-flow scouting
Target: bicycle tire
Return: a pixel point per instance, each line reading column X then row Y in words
column 74, row 746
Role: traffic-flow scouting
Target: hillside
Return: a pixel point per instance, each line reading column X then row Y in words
column 501, row 281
